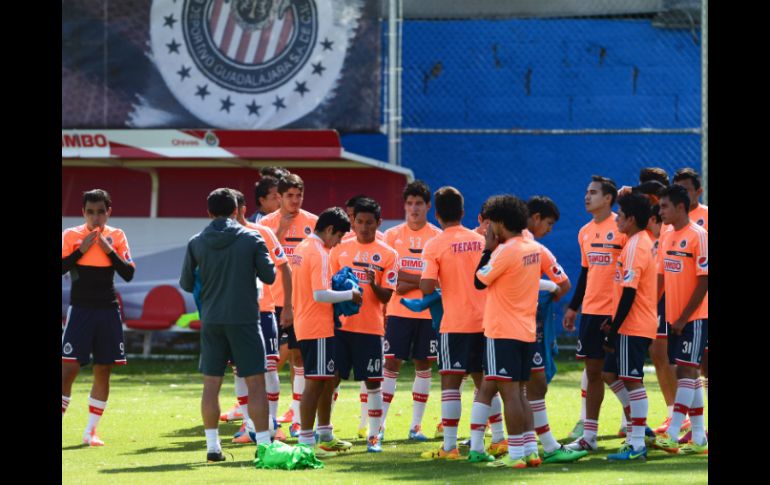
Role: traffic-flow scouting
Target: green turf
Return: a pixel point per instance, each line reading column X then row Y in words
column 154, row 434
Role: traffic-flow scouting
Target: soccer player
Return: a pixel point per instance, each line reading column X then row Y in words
column 450, row 259
column 291, row 224
column 483, row 220
column 410, row 334
column 267, row 198
column 312, row 298
column 683, row 274
column 634, row 323
column 92, row 253
column 228, row 257
column 350, row 204
column 510, row 271
column 600, row 244
column 359, row 339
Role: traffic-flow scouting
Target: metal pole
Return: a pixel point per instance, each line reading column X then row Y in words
column 704, row 50
column 392, row 100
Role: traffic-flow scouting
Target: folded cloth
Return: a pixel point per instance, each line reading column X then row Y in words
column 431, row 302
column 345, row 280
column 280, row 456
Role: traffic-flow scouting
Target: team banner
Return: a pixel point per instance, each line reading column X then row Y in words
column 229, row 64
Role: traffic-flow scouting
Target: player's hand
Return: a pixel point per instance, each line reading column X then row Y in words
column 678, row 326
column 285, row 222
column 491, row 239
column 287, row 317
column 607, row 345
column 626, row 189
column 357, row 297
column 89, row 241
column 557, row 294
column 370, row 276
column 569, row 320
column 104, row 244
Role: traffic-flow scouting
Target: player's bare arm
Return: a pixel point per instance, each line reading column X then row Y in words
column 692, row 305
column 382, row 294
column 287, row 315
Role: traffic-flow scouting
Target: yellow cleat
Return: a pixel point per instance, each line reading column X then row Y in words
column 440, row 454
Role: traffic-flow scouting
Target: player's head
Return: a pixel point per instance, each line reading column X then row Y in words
column 600, row 194
column 97, row 207
column 351, row 203
column 651, row 189
column 483, row 218
column 674, row 204
column 276, row 172
column 416, row 201
column 634, row 212
column 266, row 194
column 449, row 205
column 543, row 214
column 653, row 173
column 240, row 203
column 655, row 221
column 507, row 214
column 690, row 180
column 221, row 203
column 332, row 224
column 366, row 219
column 292, row 190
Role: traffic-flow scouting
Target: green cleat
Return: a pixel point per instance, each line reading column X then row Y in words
column 692, row 448
column 335, row 445
column 663, row 442
column 563, row 455
column 508, row 462
column 577, row 431
column 533, row 459
column 477, row 457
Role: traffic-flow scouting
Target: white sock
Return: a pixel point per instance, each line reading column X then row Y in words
column 639, row 408
column 479, row 416
column 65, row 402
column 243, row 404
column 262, row 437
column 583, row 393
column 95, row 411
column 516, row 446
column 530, row 443
column 685, row 389
column 590, row 428
column 388, row 390
column 706, row 385
column 363, row 396
column 496, row 419
column 306, row 437
column 671, row 411
column 212, row 440
column 451, row 409
column 696, row 415
column 540, row 416
column 299, row 388
column 325, row 433
column 272, row 388
column 374, row 400
column 420, row 394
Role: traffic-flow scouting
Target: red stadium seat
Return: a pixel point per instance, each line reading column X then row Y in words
column 195, row 325
column 163, row 305
column 120, row 306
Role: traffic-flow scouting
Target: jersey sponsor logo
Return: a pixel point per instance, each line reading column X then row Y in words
column 67, row 348
column 278, row 251
column 683, row 244
column 628, row 275
column 617, row 276
column 109, row 239
column 701, row 222
column 415, row 251
column 289, row 250
column 703, row 262
column 606, row 246
column 295, row 260
column 599, row 259
column 537, row 359
column 672, row 265
column 330, row 365
column 392, row 277
column 467, row 246
column 411, row 263
column 679, row 253
column 376, row 257
column 610, row 236
column 308, row 230
column 127, row 257
column 361, row 275
column 368, row 265
column 557, row 270
column 529, row 259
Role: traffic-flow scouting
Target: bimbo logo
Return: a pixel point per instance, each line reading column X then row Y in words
column 600, row 259
column 412, row 263
column 672, row 265
column 83, row 141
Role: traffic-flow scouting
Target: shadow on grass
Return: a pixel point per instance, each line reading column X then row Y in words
column 181, row 466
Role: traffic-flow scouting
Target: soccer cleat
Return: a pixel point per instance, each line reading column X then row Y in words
column 441, row 454
column 373, row 445
column 648, row 432
column 533, row 460
column 478, row 457
column 215, row 456
column 577, row 431
column 294, row 430
column 241, row 431
column 363, row 433
column 464, row 443
column 692, row 448
column 498, row 449
column 335, row 444
column 628, row 453
column 439, row 430
column 663, row 428
column 243, row 438
column 563, row 455
column 381, row 434
column 92, row 439
column 233, row 414
column 279, row 435
column 686, row 426
column 416, row 434
column 663, row 442
column 321, row 453
column 287, row 416
column 583, row 445
column 507, row 461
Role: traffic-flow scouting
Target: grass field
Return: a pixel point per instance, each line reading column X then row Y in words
column 154, row 434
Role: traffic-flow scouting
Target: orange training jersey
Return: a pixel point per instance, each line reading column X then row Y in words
column 700, row 216
column 548, row 264
column 512, row 277
column 600, row 245
column 359, row 257
column 452, row 258
column 301, row 227
column 636, row 269
column 267, row 303
column 409, row 245
column 72, row 238
column 682, row 257
column 310, row 272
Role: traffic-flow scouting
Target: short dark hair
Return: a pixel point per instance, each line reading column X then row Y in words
column 291, row 181
column 275, row 172
column 240, row 200
column 417, row 188
column 688, row 173
column 351, row 202
column 638, row 206
column 540, row 204
column 221, row 202
column 650, row 187
column 449, row 204
column 508, row 209
column 335, row 217
column 677, row 195
column 263, row 186
column 484, row 211
column 97, row 195
column 369, row 206
column 608, row 186
column 653, row 173
column 656, row 213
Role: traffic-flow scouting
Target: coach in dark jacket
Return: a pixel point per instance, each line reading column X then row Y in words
column 229, row 258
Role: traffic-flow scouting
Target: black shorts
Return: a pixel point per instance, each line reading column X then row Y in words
column 319, row 355
column 507, row 359
column 538, row 353
column 97, row 331
column 461, row 353
column 591, row 337
column 291, row 337
column 662, row 326
column 410, row 338
column 628, row 359
column 361, row 352
column 269, row 326
column 688, row 348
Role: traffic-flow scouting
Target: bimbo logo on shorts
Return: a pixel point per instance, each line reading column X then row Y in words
column 600, row 259
column 673, row 265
